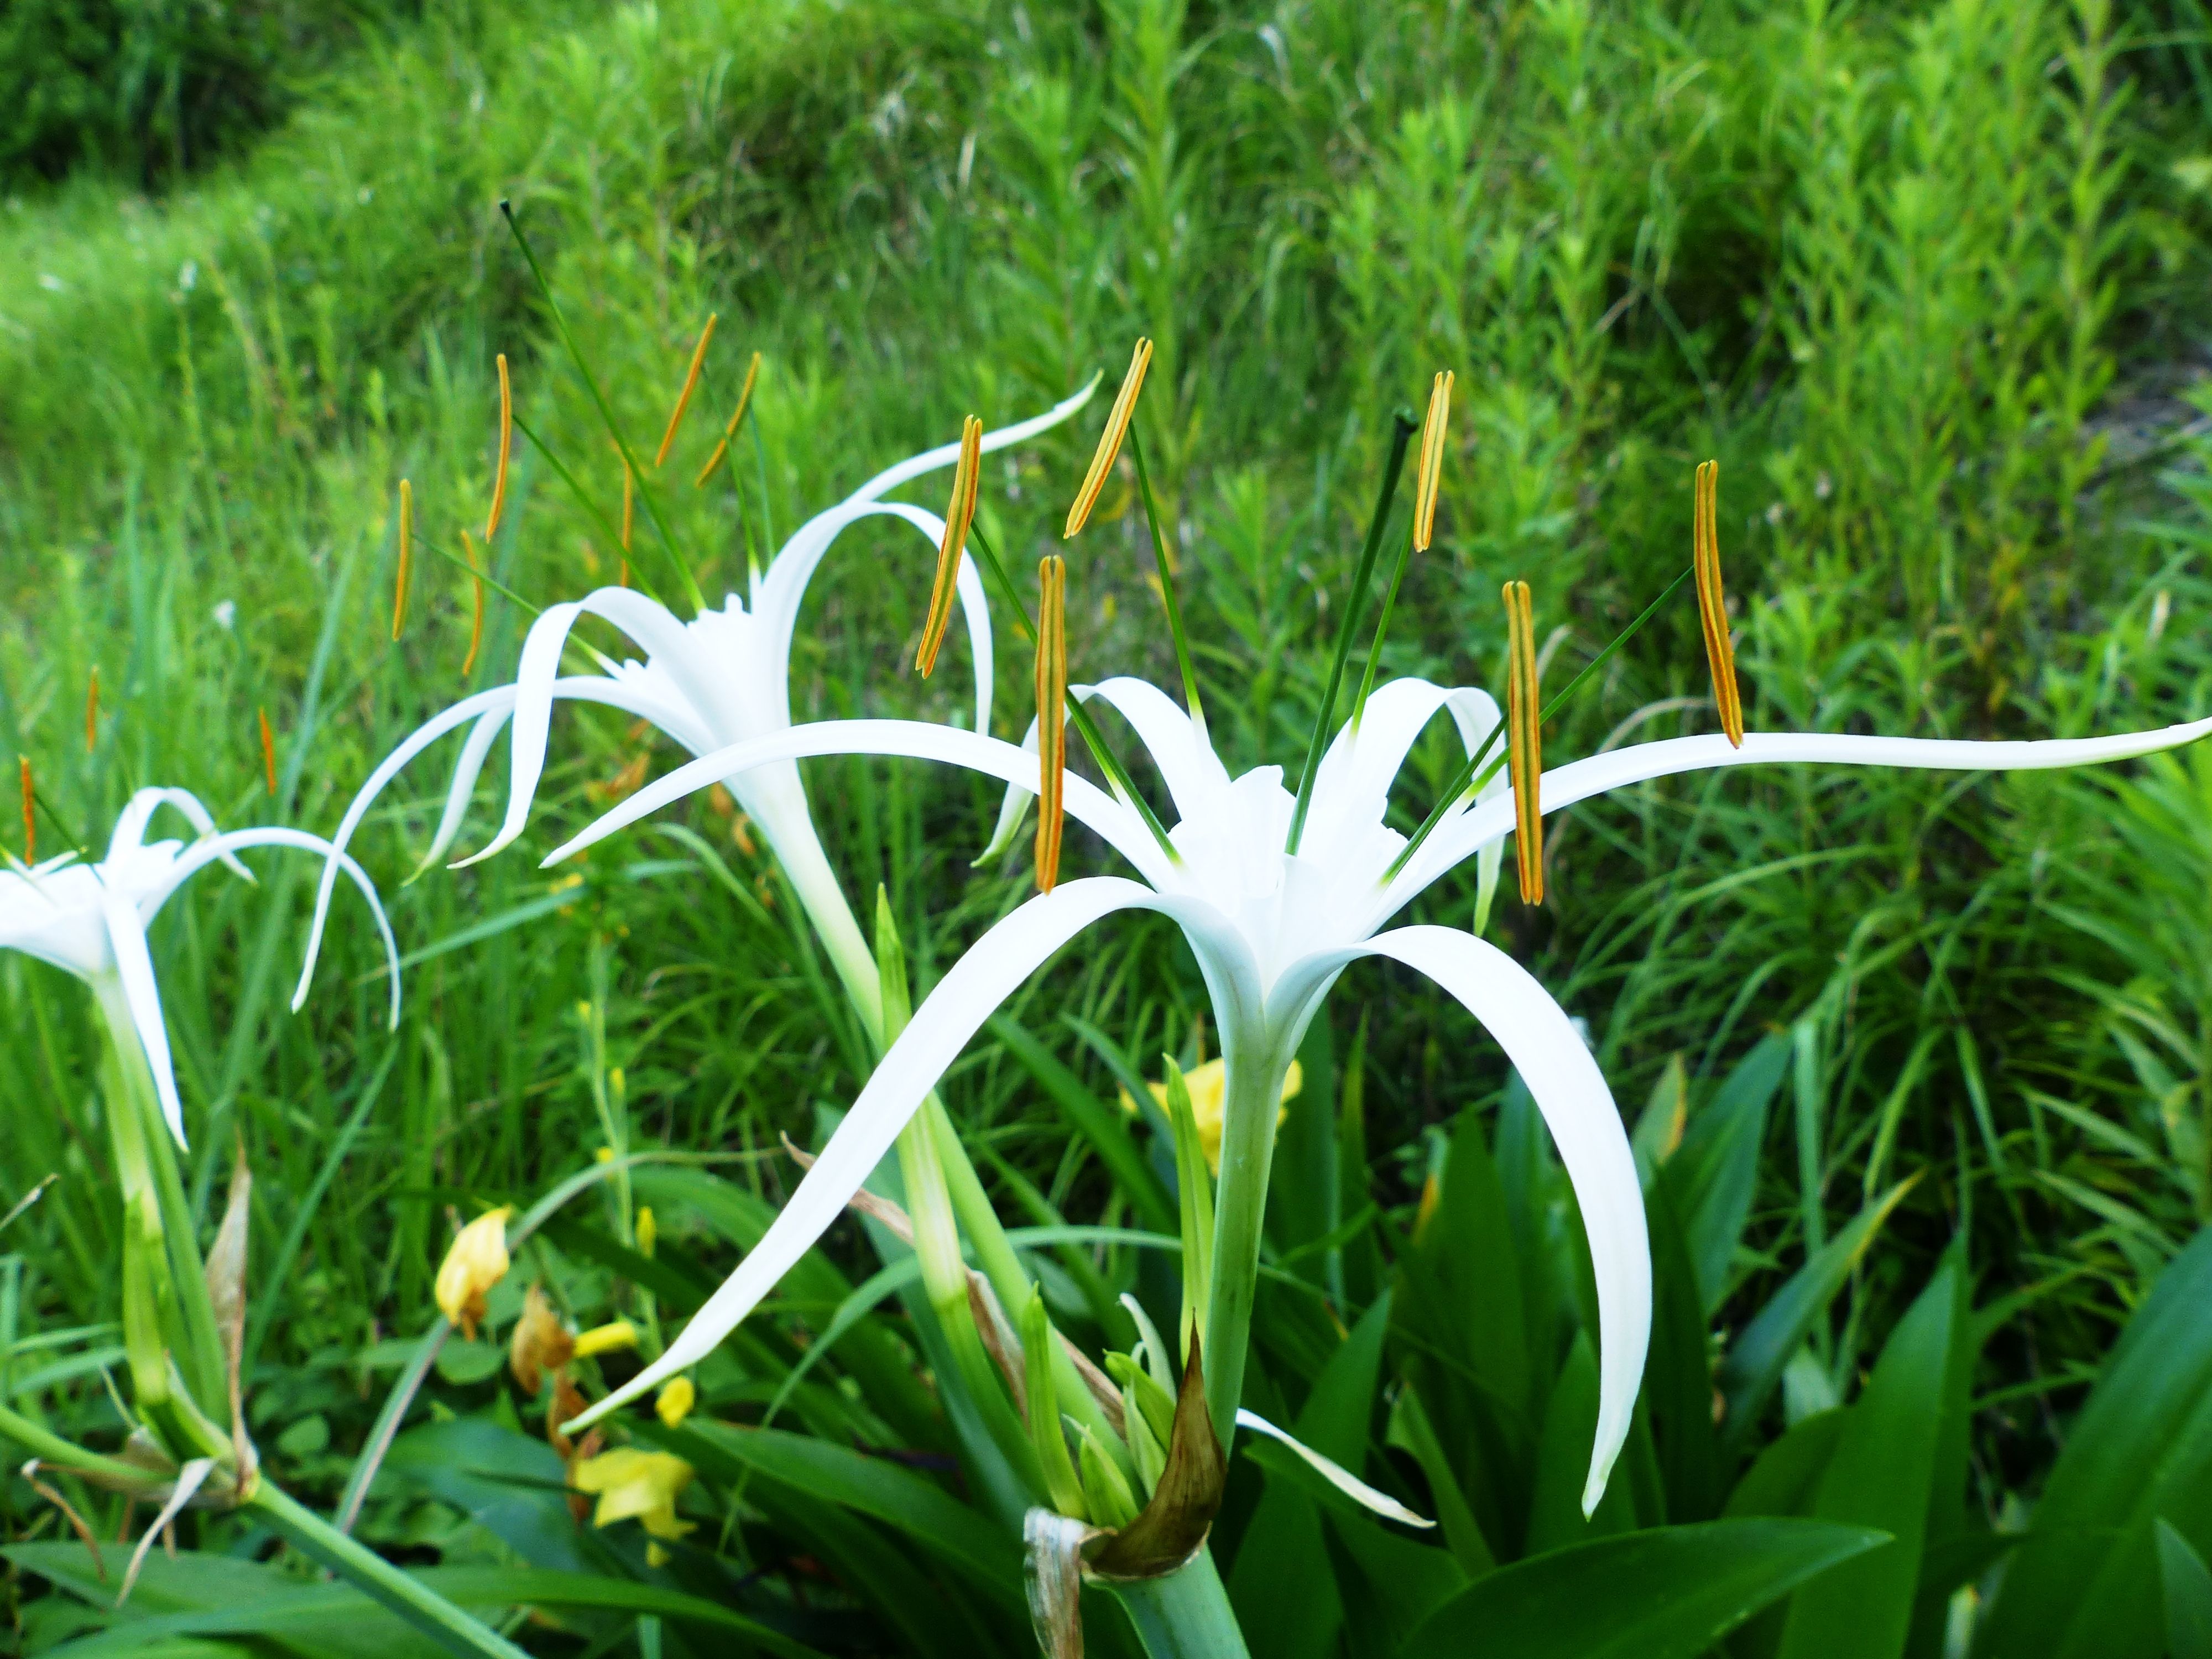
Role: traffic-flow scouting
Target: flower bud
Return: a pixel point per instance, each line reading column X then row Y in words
column 477, row 1261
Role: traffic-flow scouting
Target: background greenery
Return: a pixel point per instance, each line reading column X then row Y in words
column 1926, row 279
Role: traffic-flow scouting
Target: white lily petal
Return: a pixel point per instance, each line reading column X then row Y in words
column 134, row 967
column 978, row 609
column 982, row 979
column 475, row 750
column 1192, row 771
column 915, row 739
column 944, row 455
column 130, row 833
column 1352, row 787
column 1014, row 804
column 1334, row 1473
column 1578, row 781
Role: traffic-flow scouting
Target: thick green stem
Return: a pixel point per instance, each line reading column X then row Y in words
column 395, row 1588
column 1185, row 1615
column 1254, row 1090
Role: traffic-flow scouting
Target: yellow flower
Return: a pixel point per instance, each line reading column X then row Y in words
column 636, row 1486
column 605, row 1339
column 476, row 1263
column 1209, row 1087
column 676, row 1400
column 541, row 1343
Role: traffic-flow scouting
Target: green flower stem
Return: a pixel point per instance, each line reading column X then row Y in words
column 396, row 1588
column 1185, row 1615
column 1254, row 1090
column 51, row 1448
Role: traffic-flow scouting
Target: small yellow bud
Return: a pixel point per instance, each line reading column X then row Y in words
column 649, row 1230
column 1209, row 1092
column 606, row 1339
column 675, row 1401
column 604, row 1155
column 635, row 1485
column 541, row 1343
column 477, row 1261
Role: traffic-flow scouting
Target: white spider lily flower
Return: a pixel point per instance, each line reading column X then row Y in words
column 91, row 918
column 718, row 680
column 1272, row 931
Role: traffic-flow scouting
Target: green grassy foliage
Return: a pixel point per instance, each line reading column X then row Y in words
column 1926, row 281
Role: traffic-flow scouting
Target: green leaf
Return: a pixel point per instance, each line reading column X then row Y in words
column 1667, row 1593
column 1881, row 1475
column 1101, row 1124
column 2187, row 1585
column 2086, row 1585
column 1715, row 1171
column 1788, row 1472
column 1555, row 1519
column 1678, row 1378
column 1755, row 1359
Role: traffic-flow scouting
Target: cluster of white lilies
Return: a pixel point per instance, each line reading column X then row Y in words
column 1279, row 881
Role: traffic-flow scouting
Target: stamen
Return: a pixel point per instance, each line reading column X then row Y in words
column 744, row 400
column 1052, row 714
column 30, row 813
column 406, row 557
column 683, row 398
column 92, row 712
column 506, row 446
column 476, row 622
column 1109, row 441
column 1432, row 461
column 957, row 517
column 268, row 752
column 1712, row 603
column 630, row 508
column 1524, row 712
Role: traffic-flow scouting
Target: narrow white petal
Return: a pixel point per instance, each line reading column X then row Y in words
column 944, row 455
column 131, row 824
column 1192, row 773
column 916, row 739
column 978, row 609
column 990, row 972
column 1352, row 787
column 134, row 967
column 1334, row 1473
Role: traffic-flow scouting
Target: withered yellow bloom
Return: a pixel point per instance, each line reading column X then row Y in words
column 1432, row 461
column 1712, row 603
column 744, row 399
column 610, row 1338
column 683, row 398
column 636, row 1486
column 476, row 1263
column 959, row 514
column 406, row 556
column 1052, row 714
column 505, row 447
column 675, row 1400
column 1209, row 1094
column 1109, row 441
column 541, row 1343
column 1525, row 738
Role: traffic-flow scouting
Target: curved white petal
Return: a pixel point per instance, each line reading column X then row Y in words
column 226, row 847
column 916, row 739
column 130, row 833
column 990, row 972
column 1352, row 787
column 134, row 967
column 1333, row 1471
column 1578, row 781
column 1570, row 1092
column 978, row 609
column 944, row 454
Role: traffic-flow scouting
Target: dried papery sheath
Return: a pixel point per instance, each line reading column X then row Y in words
column 1524, row 752
column 506, row 447
column 1109, row 441
column 722, row 448
column 1712, row 602
column 958, row 515
column 1052, row 715
column 1432, row 461
column 683, row 398
column 406, row 557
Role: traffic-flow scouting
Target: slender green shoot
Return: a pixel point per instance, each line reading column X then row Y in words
column 606, row 414
column 1466, row 782
column 1167, row 586
column 1403, row 426
column 1383, row 625
column 483, row 576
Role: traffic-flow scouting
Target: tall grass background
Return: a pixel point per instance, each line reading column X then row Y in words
column 1927, row 280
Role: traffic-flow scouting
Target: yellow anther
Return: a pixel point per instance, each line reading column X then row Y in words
column 477, row 1261
column 744, row 399
column 1712, row 603
column 506, row 446
column 1432, row 461
column 406, row 556
column 268, row 752
column 957, row 517
column 1524, row 732
column 1109, row 441
column 683, row 398
column 630, row 513
column 92, row 713
column 1052, row 714
column 30, row 814
column 476, row 621
column 615, row 1336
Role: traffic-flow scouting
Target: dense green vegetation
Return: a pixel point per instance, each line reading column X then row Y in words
column 1926, row 280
